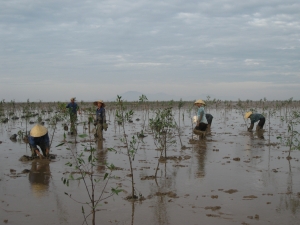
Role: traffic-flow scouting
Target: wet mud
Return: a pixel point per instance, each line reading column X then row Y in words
column 229, row 176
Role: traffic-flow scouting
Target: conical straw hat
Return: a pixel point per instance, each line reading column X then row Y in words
column 200, row 101
column 247, row 114
column 38, row 131
column 96, row 102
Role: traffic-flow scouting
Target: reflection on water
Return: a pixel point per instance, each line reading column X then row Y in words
column 102, row 158
column 162, row 194
column 132, row 212
column 161, row 204
column 260, row 134
column 289, row 200
column 100, row 143
column 200, row 147
column 39, row 177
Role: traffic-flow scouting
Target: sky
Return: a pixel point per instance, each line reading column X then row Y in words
column 52, row 50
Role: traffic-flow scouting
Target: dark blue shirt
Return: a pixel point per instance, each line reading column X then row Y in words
column 100, row 114
column 209, row 118
column 40, row 141
column 255, row 117
column 73, row 107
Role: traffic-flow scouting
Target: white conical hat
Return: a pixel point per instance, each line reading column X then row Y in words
column 38, row 131
column 200, row 101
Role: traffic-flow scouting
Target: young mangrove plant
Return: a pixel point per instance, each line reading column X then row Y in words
column 123, row 116
column 180, row 105
column 143, row 101
column 162, row 126
column 85, row 172
column 292, row 139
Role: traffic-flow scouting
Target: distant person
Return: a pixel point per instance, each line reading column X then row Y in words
column 38, row 137
column 254, row 117
column 73, row 108
column 209, row 119
column 201, row 118
column 100, row 116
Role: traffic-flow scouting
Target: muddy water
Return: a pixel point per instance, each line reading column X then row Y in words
column 230, row 177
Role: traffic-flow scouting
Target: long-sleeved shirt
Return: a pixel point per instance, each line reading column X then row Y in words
column 201, row 115
column 40, row 141
column 73, row 107
column 100, row 114
column 254, row 117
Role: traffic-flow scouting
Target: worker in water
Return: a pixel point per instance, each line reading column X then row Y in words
column 201, row 118
column 209, row 119
column 73, row 108
column 38, row 136
column 100, row 116
column 254, row 117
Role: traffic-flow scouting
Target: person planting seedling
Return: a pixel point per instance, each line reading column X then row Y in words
column 201, row 118
column 39, row 137
column 254, row 117
column 209, row 119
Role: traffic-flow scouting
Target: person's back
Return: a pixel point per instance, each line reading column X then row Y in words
column 209, row 118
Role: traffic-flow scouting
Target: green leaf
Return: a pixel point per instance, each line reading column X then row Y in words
column 105, row 176
column 60, row 144
column 82, row 135
column 116, row 190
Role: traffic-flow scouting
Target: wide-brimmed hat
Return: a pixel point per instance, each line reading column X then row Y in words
column 96, row 102
column 38, row 131
column 73, row 98
column 199, row 101
column 247, row 114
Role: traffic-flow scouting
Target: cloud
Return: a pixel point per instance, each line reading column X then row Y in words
column 126, row 44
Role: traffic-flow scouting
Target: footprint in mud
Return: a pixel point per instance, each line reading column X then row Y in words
column 250, row 197
column 213, row 208
column 231, row 191
column 212, row 215
column 170, row 194
column 148, row 178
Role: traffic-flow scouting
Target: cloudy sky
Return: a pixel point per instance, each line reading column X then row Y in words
column 51, row 50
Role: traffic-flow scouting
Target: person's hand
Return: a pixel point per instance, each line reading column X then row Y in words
column 105, row 126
